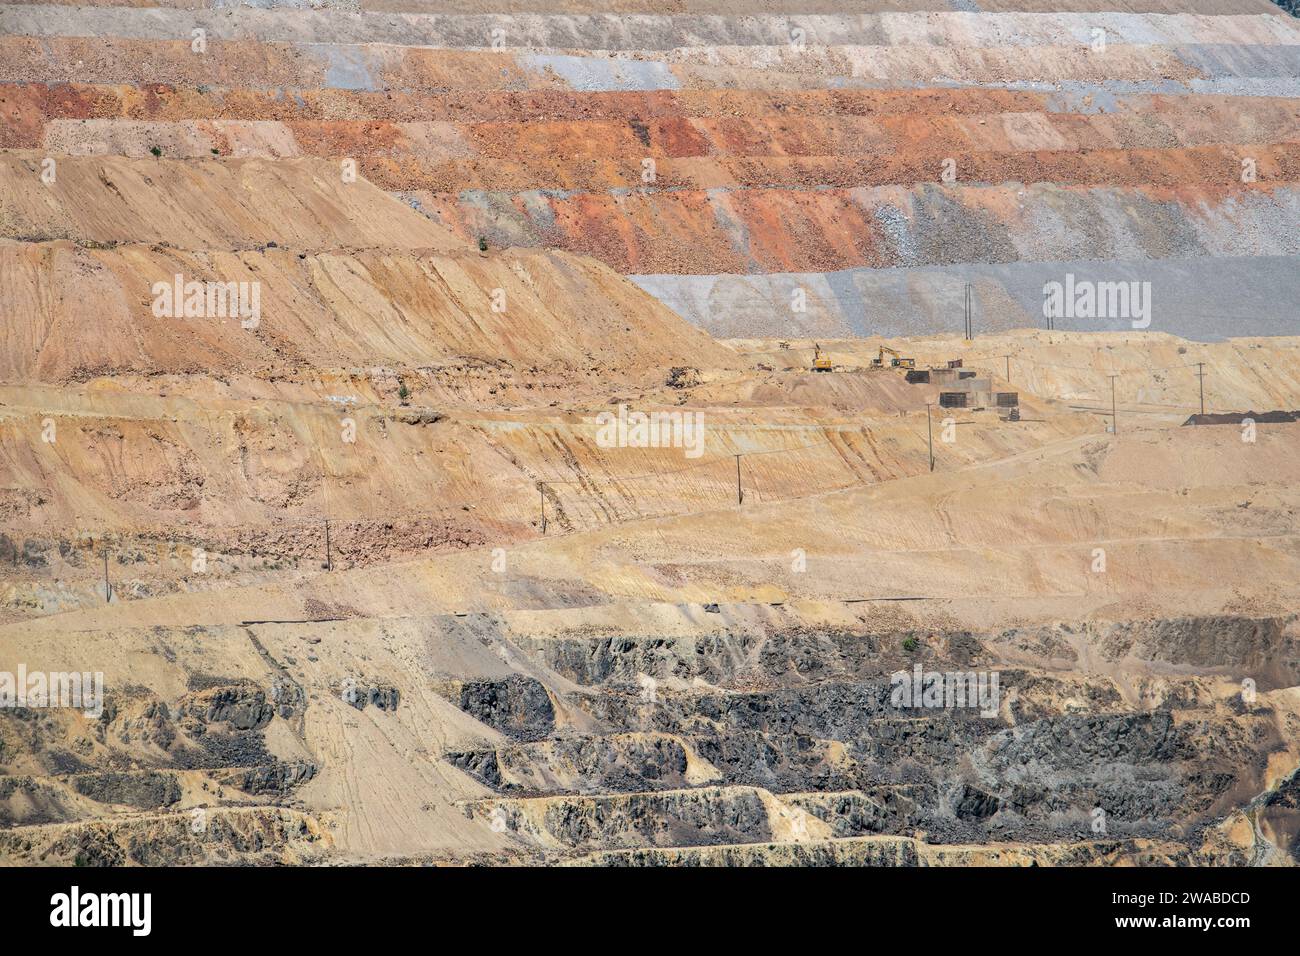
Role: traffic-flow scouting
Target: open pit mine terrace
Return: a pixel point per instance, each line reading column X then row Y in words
column 368, row 581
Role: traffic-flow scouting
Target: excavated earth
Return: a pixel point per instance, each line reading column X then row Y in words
column 878, row 156
column 368, row 582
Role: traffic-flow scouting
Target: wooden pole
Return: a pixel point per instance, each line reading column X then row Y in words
column 929, row 431
column 1114, row 418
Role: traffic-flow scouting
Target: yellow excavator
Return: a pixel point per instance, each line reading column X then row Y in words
column 820, row 363
column 897, row 361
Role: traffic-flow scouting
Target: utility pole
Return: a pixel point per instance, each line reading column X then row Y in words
column 930, row 434
column 541, row 491
column 329, row 559
column 1008, row 358
column 1200, row 374
column 970, row 329
column 1114, row 419
column 108, row 588
column 740, row 494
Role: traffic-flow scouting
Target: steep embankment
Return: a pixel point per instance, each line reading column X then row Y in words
column 409, row 296
column 879, row 160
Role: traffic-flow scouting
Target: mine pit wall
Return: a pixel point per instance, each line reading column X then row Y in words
column 1199, row 298
column 164, row 477
column 1223, row 644
column 793, row 737
column 744, row 741
column 1132, row 158
column 731, row 744
column 649, row 32
column 903, row 852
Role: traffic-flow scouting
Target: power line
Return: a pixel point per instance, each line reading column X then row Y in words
column 677, row 471
column 1127, row 371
